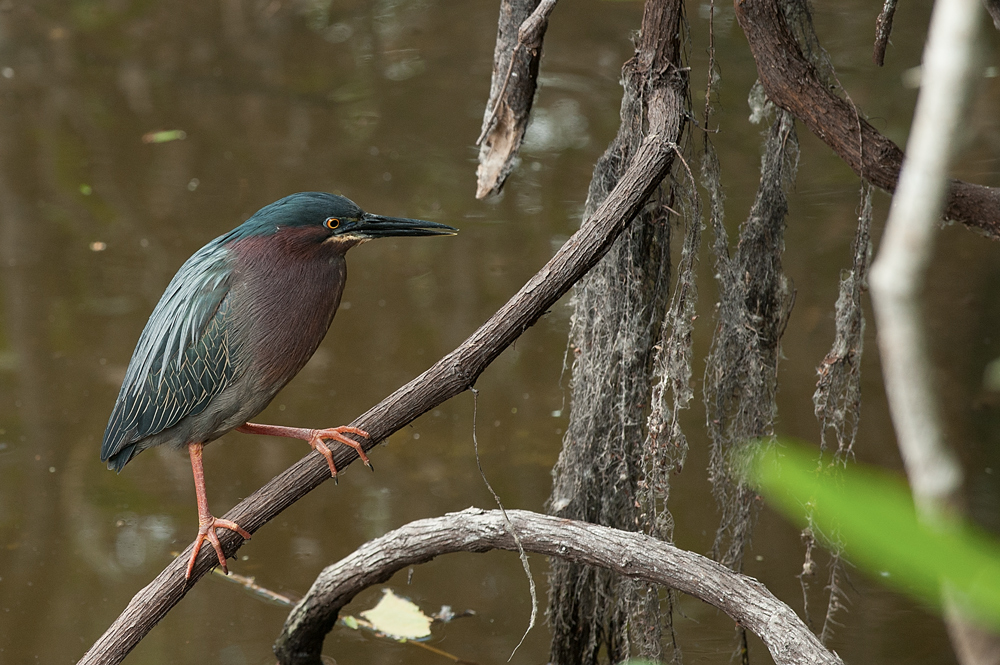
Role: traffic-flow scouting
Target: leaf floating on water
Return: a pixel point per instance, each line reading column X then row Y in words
column 398, row 618
column 164, row 136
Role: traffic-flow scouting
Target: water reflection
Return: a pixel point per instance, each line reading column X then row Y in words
column 556, row 128
column 381, row 102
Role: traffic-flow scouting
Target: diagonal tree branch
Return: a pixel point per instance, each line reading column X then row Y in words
column 627, row 553
column 791, row 82
column 450, row 376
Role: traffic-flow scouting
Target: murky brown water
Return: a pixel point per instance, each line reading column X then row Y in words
column 382, row 102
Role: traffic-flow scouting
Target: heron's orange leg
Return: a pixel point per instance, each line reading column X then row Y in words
column 207, row 523
column 315, row 438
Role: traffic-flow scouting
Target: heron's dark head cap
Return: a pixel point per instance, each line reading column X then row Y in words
column 337, row 217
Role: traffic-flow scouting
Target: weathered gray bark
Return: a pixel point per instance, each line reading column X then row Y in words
column 628, row 554
column 898, row 277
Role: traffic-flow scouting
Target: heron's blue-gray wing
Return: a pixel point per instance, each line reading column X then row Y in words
column 185, row 356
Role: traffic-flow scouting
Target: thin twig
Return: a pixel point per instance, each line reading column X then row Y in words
column 517, row 540
column 883, row 28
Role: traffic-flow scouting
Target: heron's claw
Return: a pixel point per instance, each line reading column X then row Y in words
column 337, row 434
column 206, row 531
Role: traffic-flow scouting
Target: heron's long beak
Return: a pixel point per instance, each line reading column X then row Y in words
column 377, row 226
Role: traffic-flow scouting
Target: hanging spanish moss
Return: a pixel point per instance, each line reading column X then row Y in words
column 619, row 310
column 665, row 448
column 837, row 399
column 837, row 402
column 755, row 301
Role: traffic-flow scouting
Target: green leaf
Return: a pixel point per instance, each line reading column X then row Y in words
column 871, row 515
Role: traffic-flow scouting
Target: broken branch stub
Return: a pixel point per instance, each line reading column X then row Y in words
column 521, row 29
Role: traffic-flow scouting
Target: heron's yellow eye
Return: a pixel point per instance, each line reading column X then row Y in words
column 332, row 223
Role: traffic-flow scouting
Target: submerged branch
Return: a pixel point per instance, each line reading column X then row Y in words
column 631, row 554
column 449, row 377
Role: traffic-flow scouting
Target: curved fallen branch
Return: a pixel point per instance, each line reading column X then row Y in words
column 790, row 81
column 450, row 376
column 635, row 555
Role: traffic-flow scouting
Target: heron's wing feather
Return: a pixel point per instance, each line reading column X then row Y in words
column 184, row 357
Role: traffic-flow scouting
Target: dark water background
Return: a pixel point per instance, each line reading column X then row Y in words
column 382, row 102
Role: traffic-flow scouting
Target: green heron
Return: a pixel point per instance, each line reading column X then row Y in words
column 240, row 318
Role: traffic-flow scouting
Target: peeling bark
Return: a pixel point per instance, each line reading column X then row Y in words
column 518, row 51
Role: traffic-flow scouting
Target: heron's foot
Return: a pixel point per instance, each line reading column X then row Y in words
column 316, row 438
column 337, row 434
column 207, row 525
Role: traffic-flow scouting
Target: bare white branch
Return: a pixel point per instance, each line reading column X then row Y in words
column 897, row 280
